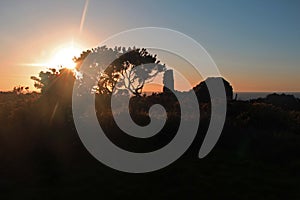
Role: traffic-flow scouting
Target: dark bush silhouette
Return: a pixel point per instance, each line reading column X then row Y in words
column 283, row 101
column 202, row 92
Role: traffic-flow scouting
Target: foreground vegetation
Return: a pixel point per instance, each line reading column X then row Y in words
column 257, row 156
column 41, row 155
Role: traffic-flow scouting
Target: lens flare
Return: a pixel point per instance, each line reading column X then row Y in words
column 64, row 57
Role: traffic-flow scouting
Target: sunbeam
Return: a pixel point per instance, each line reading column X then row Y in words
column 83, row 16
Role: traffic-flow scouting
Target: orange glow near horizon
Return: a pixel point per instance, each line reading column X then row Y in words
column 54, row 55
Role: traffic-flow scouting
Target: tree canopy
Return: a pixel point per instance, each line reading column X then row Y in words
column 130, row 68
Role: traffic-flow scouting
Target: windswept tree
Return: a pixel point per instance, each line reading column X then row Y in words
column 130, row 68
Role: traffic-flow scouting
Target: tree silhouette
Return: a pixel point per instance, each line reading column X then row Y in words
column 55, row 83
column 20, row 89
column 130, row 68
column 45, row 79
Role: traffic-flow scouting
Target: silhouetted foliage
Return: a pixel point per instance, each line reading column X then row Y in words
column 258, row 141
column 283, row 101
column 55, row 81
column 123, row 70
column 21, row 89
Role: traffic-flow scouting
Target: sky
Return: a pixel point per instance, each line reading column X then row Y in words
column 255, row 44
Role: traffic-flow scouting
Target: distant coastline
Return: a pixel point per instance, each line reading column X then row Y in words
column 255, row 95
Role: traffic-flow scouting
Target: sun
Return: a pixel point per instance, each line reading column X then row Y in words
column 63, row 56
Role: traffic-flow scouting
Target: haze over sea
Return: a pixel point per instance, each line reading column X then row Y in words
column 255, row 95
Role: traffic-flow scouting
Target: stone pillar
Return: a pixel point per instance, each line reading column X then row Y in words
column 168, row 81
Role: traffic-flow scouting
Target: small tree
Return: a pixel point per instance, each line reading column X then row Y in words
column 55, row 83
column 45, row 79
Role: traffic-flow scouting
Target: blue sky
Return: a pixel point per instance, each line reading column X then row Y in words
column 256, row 44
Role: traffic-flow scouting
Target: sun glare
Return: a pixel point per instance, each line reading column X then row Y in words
column 64, row 57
